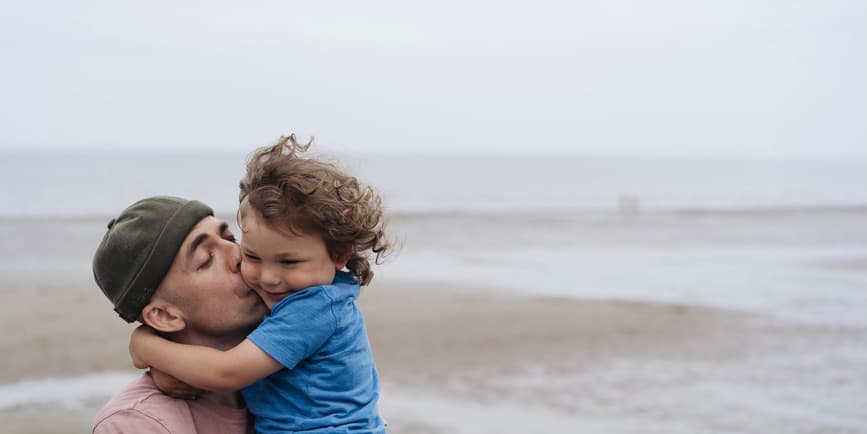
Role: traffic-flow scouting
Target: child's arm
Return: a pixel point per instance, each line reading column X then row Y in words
column 200, row 366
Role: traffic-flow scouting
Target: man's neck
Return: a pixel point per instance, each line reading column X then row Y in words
column 225, row 342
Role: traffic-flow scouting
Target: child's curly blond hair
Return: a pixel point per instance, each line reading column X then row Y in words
column 305, row 195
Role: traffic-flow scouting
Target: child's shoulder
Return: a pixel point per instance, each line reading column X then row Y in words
column 342, row 289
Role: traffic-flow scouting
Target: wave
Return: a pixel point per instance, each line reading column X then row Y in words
column 68, row 392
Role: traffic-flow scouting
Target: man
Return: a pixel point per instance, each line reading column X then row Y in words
column 168, row 263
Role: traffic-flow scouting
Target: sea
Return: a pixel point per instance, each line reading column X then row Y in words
column 780, row 237
column 101, row 183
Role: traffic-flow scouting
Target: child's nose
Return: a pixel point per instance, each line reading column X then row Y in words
column 269, row 276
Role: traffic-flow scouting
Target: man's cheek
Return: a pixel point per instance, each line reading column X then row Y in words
column 259, row 294
column 242, row 291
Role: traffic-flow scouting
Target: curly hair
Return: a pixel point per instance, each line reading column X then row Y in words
column 306, row 195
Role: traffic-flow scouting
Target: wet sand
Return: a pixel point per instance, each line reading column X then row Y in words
column 442, row 351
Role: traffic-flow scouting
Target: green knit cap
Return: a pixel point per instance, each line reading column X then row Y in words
column 139, row 248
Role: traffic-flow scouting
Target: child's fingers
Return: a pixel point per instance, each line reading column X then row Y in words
column 189, row 396
column 184, row 394
column 183, row 391
column 173, row 387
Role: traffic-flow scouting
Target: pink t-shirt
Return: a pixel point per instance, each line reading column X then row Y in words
column 141, row 408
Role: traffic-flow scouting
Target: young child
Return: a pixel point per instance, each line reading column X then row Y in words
column 308, row 229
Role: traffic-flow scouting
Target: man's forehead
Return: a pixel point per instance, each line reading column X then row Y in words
column 207, row 225
column 204, row 229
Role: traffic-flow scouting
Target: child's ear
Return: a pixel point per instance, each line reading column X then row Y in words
column 163, row 317
column 341, row 256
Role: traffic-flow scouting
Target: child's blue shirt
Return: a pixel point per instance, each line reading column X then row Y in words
column 329, row 383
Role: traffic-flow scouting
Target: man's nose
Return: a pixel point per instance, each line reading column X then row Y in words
column 234, row 257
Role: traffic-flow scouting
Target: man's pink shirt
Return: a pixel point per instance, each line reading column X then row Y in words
column 141, row 408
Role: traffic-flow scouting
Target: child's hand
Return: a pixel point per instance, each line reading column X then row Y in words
column 136, row 342
column 173, row 387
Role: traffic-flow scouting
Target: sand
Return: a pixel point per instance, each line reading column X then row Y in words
column 443, row 351
column 476, row 359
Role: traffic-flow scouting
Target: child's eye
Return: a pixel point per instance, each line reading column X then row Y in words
column 251, row 258
column 289, row 262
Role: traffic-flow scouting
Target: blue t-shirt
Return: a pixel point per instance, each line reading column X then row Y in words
column 329, row 383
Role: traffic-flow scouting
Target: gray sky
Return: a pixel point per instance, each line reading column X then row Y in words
column 601, row 77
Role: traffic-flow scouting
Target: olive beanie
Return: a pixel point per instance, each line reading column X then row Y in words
column 139, row 248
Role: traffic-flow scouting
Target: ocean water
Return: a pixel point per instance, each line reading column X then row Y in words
column 76, row 184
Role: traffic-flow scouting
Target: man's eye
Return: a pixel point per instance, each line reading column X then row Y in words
column 207, row 263
column 230, row 237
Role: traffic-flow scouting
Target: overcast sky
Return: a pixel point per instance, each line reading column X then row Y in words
column 591, row 77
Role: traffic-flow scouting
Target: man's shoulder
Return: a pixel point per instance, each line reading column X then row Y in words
column 141, row 407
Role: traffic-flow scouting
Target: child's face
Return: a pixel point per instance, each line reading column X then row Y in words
column 277, row 264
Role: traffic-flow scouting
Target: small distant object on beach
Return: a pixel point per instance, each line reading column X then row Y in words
column 629, row 205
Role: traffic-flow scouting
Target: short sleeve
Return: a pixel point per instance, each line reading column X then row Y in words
column 130, row 420
column 298, row 326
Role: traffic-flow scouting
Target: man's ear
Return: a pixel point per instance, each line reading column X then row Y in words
column 163, row 316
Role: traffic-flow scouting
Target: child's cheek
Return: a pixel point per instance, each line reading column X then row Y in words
column 264, row 297
column 249, row 272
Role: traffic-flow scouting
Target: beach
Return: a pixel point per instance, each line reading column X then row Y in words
column 464, row 349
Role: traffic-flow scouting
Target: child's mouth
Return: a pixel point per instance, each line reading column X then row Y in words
column 276, row 296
